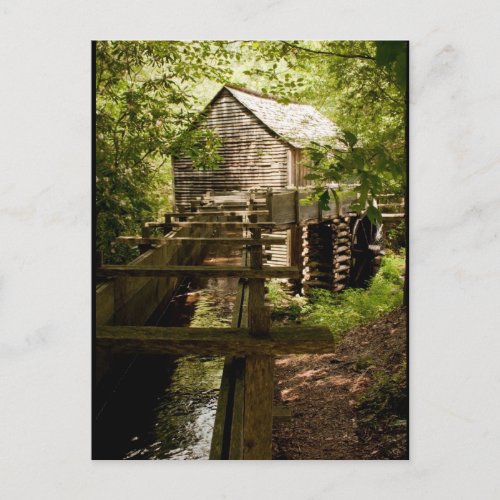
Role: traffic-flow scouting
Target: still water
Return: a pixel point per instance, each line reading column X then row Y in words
column 162, row 407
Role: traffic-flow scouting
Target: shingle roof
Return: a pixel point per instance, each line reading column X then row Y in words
column 298, row 124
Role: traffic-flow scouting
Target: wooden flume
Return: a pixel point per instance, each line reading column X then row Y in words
column 245, row 413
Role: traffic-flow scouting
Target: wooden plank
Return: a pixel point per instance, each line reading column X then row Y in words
column 227, row 420
column 223, row 224
column 393, row 216
column 215, row 341
column 231, row 206
column 154, row 224
column 258, row 418
column 217, row 451
column 238, row 376
column 211, row 271
column 235, row 213
column 265, row 240
column 244, row 303
column 283, row 207
column 310, row 212
column 238, row 305
column 137, row 240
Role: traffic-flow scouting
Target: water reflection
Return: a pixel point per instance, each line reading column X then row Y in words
column 185, row 413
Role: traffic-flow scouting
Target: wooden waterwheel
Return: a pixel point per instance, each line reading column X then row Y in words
column 366, row 251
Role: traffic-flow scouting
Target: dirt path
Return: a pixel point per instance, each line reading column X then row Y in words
column 323, row 393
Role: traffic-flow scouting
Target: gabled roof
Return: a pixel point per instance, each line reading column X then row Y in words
column 298, row 124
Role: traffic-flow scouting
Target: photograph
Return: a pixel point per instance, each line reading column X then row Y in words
column 250, row 249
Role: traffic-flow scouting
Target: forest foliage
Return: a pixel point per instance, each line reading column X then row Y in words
column 148, row 94
column 353, row 307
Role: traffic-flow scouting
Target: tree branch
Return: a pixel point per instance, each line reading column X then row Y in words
column 329, row 53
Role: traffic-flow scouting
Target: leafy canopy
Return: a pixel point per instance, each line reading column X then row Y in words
column 361, row 86
column 144, row 97
column 147, row 93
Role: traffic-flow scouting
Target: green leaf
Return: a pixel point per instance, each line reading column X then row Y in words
column 324, row 200
column 374, row 214
column 312, row 177
column 350, row 138
column 358, row 160
column 337, row 200
column 332, row 175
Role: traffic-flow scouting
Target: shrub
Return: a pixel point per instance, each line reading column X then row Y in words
column 341, row 312
column 284, row 305
column 396, row 237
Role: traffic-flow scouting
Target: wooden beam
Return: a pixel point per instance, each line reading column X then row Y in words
column 220, row 440
column 137, row 240
column 258, row 414
column 223, row 224
column 214, row 341
column 211, row 271
column 219, row 212
column 257, row 398
column 258, row 318
column 232, row 206
column 393, row 216
column 258, row 395
column 237, row 241
column 392, row 205
column 154, row 224
column 227, row 437
column 146, row 234
column 239, row 381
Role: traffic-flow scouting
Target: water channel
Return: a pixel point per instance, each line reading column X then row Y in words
column 163, row 407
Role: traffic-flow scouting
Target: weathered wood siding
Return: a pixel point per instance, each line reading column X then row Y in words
column 252, row 155
column 300, row 169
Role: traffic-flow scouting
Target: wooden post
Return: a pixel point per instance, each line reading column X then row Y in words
column 168, row 224
column 193, row 206
column 296, row 201
column 258, row 412
column 269, row 204
column 258, row 323
column 145, row 233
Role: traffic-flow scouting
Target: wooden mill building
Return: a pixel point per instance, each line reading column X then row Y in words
column 262, row 142
column 262, row 146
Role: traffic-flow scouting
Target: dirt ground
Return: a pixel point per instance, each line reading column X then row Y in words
column 323, row 394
